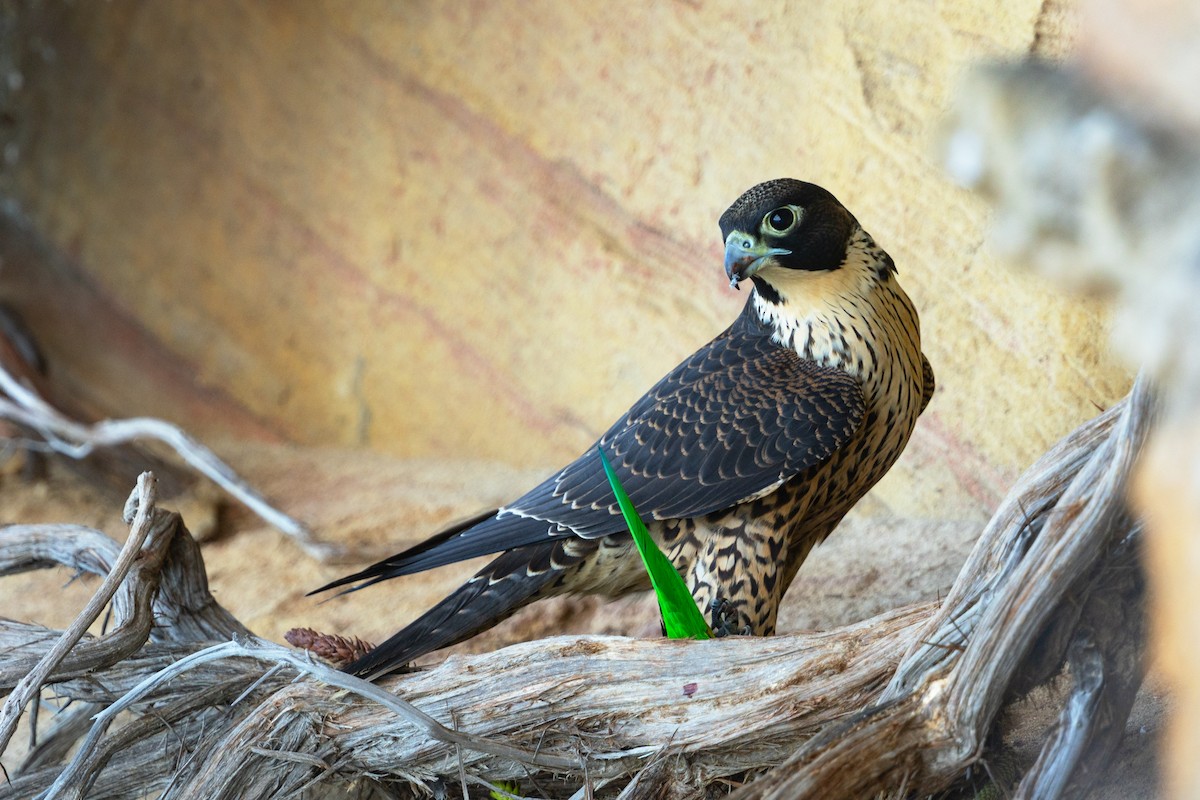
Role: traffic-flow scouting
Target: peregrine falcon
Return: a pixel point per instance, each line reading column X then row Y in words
column 741, row 459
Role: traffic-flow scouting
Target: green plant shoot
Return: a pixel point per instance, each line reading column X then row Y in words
column 681, row 618
column 503, row 790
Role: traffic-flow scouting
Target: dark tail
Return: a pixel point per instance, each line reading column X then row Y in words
column 492, row 595
column 420, row 557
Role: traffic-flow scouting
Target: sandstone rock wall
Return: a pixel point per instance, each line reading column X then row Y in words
column 479, row 230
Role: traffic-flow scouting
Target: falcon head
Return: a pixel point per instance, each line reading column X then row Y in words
column 784, row 224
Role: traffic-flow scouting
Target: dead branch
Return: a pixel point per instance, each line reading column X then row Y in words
column 907, row 699
column 1038, row 576
column 141, row 502
column 22, row 405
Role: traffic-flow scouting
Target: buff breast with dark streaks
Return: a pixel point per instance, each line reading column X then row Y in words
column 742, row 458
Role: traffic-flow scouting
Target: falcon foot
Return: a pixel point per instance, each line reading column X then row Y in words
column 724, row 617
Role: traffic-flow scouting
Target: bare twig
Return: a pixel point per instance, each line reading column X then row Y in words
column 76, row 440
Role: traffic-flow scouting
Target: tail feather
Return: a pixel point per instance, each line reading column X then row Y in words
column 414, row 559
column 497, row 591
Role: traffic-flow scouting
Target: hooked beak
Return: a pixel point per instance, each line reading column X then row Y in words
column 745, row 255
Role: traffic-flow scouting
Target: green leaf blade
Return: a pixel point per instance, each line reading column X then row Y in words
column 681, row 618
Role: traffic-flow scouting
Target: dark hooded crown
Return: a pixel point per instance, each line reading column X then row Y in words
column 818, row 242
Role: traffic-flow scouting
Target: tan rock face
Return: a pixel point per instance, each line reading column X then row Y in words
column 481, row 230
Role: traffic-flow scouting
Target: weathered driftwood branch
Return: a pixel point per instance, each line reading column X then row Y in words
column 30, row 683
column 1092, row 171
column 22, row 405
column 552, row 709
column 907, row 699
column 1036, row 585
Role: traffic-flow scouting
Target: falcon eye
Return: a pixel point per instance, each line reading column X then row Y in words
column 780, row 220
